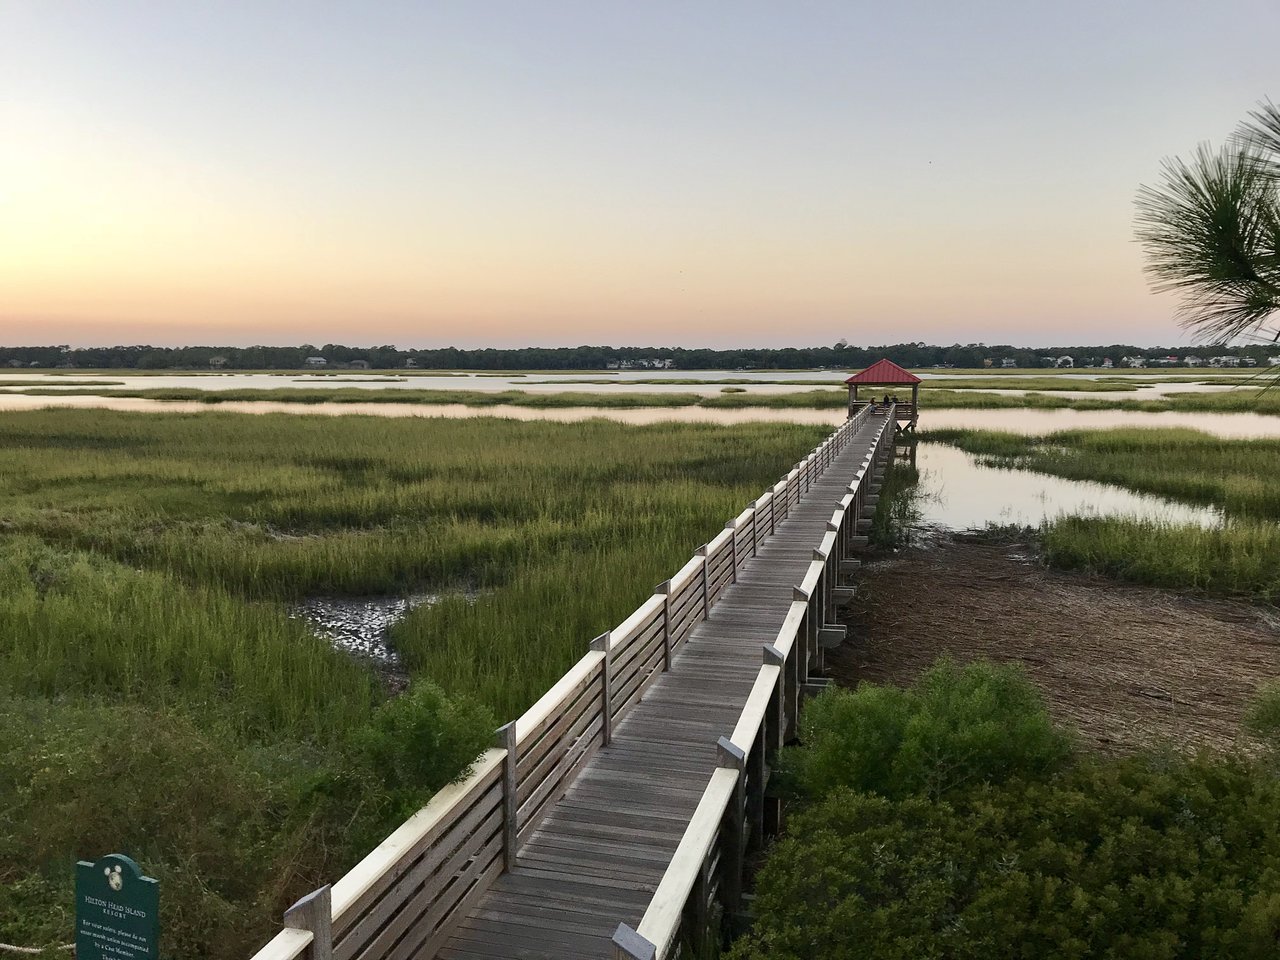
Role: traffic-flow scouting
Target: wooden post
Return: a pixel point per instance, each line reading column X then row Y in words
column 664, row 590
column 729, row 754
column 706, row 581
column 802, row 661
column 775, row 720
column 314, row 912
column 629, row 945
column 732, row 526
column 756, row 776
column 510, row 802
column 601, row 643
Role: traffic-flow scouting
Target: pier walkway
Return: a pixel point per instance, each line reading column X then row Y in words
column 615, row 817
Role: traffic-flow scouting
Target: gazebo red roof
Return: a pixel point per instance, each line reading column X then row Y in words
column 884, row 373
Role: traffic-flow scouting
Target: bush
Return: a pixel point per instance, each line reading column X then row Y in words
column 983, row 723
column 1132, row 859
column 235, row 831
column 421, row 741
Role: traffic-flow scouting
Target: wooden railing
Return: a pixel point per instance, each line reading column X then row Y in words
column 704, row 880
column 404, row 898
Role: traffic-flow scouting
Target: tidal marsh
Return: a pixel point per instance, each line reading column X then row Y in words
column 146, row 566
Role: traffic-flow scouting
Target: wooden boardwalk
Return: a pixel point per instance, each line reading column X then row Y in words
column 596, row 856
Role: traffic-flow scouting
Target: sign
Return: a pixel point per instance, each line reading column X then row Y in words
column 117, row 911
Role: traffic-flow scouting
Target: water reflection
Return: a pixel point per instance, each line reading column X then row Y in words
column 1040, row 422
column 358, row 625
column 959, row 493
column 1033, row 422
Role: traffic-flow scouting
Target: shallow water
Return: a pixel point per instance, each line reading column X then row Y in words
column 615, row 381
column 1033, row 422
column 358, row 625
column 958, row 493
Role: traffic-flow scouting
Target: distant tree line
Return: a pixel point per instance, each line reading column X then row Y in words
column 840, row 355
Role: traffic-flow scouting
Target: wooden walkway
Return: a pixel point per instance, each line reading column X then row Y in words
column 598, row 854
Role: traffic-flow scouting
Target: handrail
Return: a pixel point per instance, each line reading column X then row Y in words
column 771, row 709
column 428, row 872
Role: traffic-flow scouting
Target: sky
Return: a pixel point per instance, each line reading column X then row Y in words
column 695, row 173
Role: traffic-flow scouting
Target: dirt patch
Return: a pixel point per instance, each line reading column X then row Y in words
column 1125, row 666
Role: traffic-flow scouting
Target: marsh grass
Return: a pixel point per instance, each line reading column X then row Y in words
column 144, row 561
column 1241, row 559
column 897, row 511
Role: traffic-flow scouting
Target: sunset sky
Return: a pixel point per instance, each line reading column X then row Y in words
column 696, row 173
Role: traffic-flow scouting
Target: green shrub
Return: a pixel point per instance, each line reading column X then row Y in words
column 983, row 723
column 897, row 510
column 422, row 740
column 1263, row 718
column 1125, row 859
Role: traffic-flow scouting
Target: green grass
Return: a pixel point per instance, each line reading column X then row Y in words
column 144, row 564
column 819, row 399
column 1239, row 560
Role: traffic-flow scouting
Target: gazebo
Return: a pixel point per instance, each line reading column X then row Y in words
column 886, row 373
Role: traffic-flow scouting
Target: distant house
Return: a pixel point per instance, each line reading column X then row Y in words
column 217, row 363
column 1224, row 362
column 1134, row 362
column 411, row 364
column 315, row 362
column 358, row 365
column 1274, row 361
column 1193, row 361
column 612, row 365
column 1008, row 363
column 16, row 363
column 1248, row 362
column 1064, row 362
column 1107, row 364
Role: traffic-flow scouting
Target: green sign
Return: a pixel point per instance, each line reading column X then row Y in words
column 117, row 911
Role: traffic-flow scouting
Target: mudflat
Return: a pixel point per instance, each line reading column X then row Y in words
column 1126, row 666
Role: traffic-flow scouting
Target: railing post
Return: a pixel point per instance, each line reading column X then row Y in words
column 705, row 554
column 506, row 740
column 629, row 945
column 601, row 643
column 664, row 590
column 775, row 721
column 729, row 754
column 802, row 662
column 732, row 527
column 756, row 777
column 314, row 912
